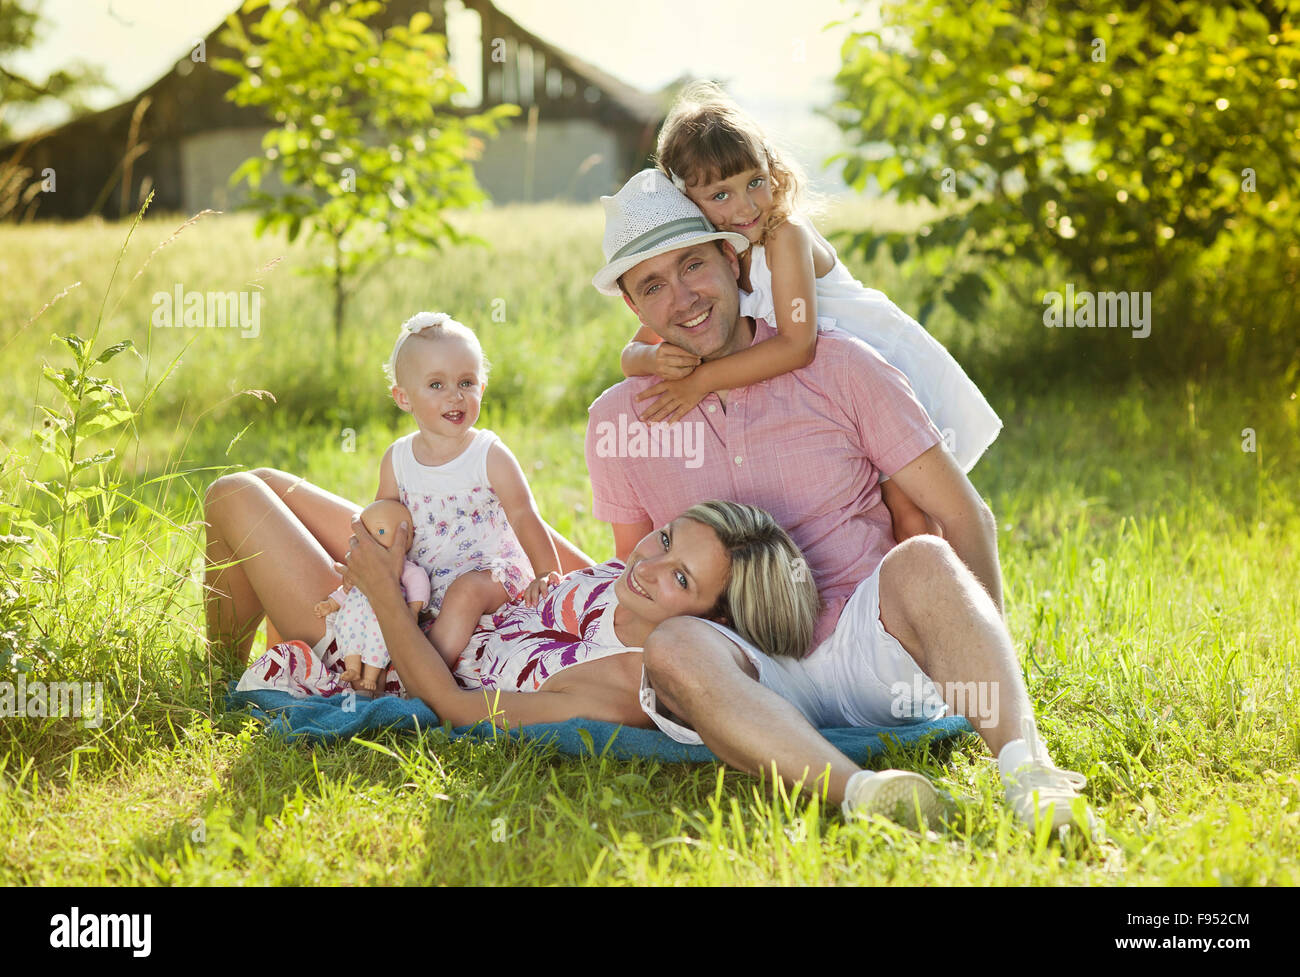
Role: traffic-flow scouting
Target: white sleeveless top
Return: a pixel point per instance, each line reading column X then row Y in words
column 960, row 412
column 458, row 520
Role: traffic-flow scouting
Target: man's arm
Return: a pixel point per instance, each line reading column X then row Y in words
column 613, row 498
column 627, row 535
column 934, row 482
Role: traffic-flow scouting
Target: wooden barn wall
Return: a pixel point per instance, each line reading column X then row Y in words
column 585, row 144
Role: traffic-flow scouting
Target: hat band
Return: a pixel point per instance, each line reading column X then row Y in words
column 651, row 239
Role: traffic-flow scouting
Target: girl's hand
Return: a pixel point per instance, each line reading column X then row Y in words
column 540, row 587
column 676, row 399
column 373, row 567
column 673, row 362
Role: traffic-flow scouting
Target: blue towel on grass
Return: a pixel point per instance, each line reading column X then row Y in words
column 324, row 720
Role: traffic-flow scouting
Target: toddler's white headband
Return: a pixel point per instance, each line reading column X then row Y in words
column 412, row 326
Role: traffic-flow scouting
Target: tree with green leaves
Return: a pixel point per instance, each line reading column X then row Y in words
column 1149, row 146
column 365, row 147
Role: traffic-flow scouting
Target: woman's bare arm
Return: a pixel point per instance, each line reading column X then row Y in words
column 372, row 568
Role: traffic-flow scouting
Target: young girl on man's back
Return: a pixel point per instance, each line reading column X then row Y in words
column 717, row 156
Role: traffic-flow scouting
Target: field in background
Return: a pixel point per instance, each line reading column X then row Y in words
column 1150, row 565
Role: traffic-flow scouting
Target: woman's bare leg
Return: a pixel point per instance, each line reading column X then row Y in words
column 328, row 517
column 263, row 558
column 322, row 512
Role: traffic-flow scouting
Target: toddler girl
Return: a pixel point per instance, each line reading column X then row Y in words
column 477, row 533
column 719, row 158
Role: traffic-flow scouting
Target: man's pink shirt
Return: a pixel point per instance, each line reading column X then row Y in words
column 808, row 446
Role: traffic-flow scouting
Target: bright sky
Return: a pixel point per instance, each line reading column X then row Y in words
column 777, row 64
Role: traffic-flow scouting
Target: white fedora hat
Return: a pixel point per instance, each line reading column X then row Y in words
column 650, row 217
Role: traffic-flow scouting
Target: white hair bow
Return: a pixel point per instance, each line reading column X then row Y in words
column 423, row 320
column 417, row 323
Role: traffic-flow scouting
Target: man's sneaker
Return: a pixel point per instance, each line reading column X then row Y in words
column 1036, row 787
column 899, row 795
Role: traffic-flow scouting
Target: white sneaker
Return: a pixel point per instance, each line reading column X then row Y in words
column 1036, row 787
column 899, row 795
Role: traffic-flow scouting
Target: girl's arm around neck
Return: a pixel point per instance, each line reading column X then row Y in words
column 789, row 251
column 638, row 359
column 647, row 355
column 794, row 297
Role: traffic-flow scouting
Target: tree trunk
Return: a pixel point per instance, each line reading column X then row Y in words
column 338, row 305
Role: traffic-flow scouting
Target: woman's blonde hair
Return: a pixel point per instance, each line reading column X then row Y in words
column 708, row 137
column 770, row 598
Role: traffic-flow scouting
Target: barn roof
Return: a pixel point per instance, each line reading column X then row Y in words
column 643, row 107
column 637, row 107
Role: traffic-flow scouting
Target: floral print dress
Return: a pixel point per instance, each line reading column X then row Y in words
column 515, row 649
column 459, row 523
column 524, row 646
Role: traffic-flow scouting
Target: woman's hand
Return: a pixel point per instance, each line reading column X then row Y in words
column 540, row 587
column 372, row 567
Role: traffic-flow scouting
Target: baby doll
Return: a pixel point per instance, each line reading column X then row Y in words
column 356, row 629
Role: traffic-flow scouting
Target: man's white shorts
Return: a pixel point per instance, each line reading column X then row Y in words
column 859, row 676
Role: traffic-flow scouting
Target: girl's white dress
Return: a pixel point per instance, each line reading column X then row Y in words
column 960, row 412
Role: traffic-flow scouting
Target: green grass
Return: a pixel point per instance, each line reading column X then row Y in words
column 1150, row 567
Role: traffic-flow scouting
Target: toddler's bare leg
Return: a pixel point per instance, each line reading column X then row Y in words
column 351, row 669
column 470, row 596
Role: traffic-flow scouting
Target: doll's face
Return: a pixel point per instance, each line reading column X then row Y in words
column 381, row 519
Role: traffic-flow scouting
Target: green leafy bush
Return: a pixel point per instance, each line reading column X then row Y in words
column 1148, row 147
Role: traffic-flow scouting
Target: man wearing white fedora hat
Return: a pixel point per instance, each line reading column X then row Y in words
column 908, row 632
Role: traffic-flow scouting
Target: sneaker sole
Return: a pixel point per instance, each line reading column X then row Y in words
column 900, row 795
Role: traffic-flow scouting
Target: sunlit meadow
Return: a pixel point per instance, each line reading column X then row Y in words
column 1148, row 543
